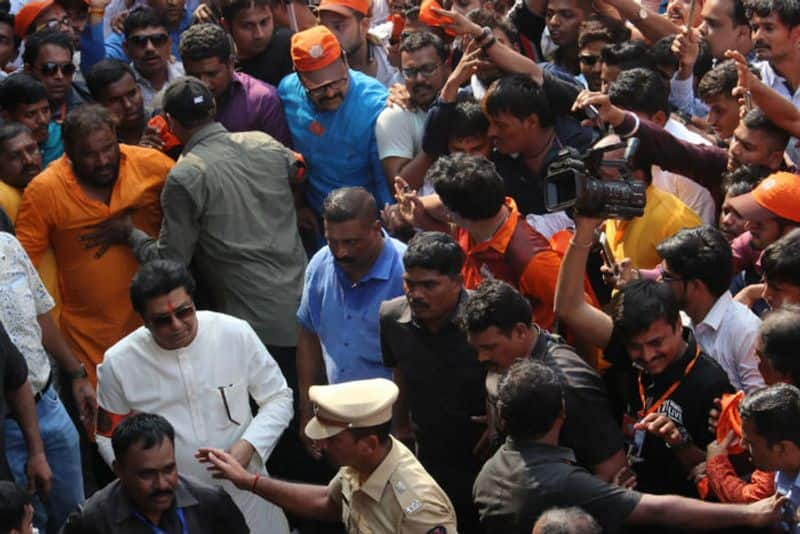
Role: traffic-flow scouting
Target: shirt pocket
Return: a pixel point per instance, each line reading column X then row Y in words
column 229, row 405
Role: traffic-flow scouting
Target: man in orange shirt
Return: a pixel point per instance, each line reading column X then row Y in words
column 96, row 179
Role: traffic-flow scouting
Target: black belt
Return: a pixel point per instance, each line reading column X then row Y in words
column 38, row 396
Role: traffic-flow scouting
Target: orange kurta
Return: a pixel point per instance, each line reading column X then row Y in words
column 10, row 199
column 96, row 308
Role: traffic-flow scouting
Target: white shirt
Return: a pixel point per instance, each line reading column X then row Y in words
column 387, row 74
column 778, row 83
column 183, row 386
column 23, row 297
column 149, row 93
column 399, row 135
column 728, row 334
column 694, row 195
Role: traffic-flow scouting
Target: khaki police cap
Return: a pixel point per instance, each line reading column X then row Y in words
column 357, row 404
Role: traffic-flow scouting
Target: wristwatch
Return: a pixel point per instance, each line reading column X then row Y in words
column 79, row 373
column 642, row 13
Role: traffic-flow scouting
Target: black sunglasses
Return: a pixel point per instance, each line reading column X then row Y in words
column 49, row 69
column 181, row 314
column 158, row 39
column 588, row 59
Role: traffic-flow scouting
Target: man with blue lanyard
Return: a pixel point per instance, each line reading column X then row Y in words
column 150, row 497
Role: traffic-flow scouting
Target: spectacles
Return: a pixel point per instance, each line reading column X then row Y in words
column 667, row 276
column 181, row 314
column 322, row 90
column 50, row 69
column 426, row 70
column 588, row 59
column 55, row 23
column 157, row 39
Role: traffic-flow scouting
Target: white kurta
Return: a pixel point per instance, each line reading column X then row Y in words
column 183, row 386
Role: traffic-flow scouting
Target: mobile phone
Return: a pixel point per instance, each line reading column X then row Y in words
column 591, row 112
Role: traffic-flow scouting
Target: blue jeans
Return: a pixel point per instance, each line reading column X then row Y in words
column 62, row 450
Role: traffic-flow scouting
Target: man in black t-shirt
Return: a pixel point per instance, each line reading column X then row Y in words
column 664, row 387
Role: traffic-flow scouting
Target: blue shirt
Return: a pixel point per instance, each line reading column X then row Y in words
column 53, row 146
column 789, row 486
column 345, row 315
column 114, row 42
column 339, row 146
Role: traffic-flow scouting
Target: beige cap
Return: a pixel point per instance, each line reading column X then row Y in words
column 357, row 404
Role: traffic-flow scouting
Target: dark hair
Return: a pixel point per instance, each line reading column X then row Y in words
column 720, row 80
column 740, row 17
column 788, row 11
column 641, row 303
column 571, row 520
column 21, row 88
column 416, row 41
column 13, row 501
column 231, row 9
column 436, row 251
column 495, row 303
column 9, row 131
column 8, row 18
column 780, row 261
column 492, row 20
column 780, row 337
column 349, row 203
column 159, row 277
column 743, row 179
column 468, row 185
column 774, row 411
column 702, row 254
column 628, row 55
column 663, row 54
column 641, row 90
column 756, row 120
column 104, row 73
column 468, row 120
column 381, row 431
column 526, row 384
column 599, row 28
column 146, row 429
column 46, row 36
column 520, row 96
column 203, row 41
column 80, row 122
column 142, row 17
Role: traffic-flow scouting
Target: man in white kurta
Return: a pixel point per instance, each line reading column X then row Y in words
column 203, row 389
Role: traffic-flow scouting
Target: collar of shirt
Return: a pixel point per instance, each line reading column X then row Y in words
column 381, row 269
column 541, row 452
column 209, row 130
column 770, row 77
column 124, row 509
column 713, row 318
column 377, row 481
column 407, row 317
column 501, row 237
column 174, row 70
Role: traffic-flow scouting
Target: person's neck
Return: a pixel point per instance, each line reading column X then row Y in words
column 371, row 464
column 484, row 229
column 100, row 194
column 436, row 324
column 551, row 437
column 566, row 57
column 358, row 274
column 158, row 78
column 699, row 306
column 534, row 155
column 360, row 59
column 789, row 69
column 131, row 135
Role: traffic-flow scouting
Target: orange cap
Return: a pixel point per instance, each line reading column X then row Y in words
column 778, row 195
column 342, row 6
column 429, row 17
column 314, row 49
column 729, row 419
column 25, row 17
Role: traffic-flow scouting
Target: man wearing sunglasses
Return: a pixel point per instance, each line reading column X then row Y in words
column 331, row 111
column 199, row 369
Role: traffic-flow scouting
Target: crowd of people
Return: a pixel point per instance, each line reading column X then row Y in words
column 383, row 266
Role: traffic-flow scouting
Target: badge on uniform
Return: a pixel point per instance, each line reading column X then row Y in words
column 437, row 530
column 316, row 128
column 415, row 505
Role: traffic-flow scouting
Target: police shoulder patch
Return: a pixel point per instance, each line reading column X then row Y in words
column 415, row 505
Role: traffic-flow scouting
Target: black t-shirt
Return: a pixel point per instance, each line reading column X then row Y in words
column 661, row 472
column 13, row 373
column 275, row 62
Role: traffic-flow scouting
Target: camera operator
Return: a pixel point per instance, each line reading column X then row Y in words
column 756, row 141
column 661, row 381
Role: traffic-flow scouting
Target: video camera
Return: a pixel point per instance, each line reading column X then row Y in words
column 573, row 181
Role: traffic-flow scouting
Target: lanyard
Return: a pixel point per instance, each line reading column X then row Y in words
column 670, row 390
column 157, row 530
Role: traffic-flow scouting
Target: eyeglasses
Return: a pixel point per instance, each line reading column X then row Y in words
column 667, row 276
column 426, row 70
column 50, row 69
column 588, row 59
column 55, row 23
column 181, row 314
column 322, row 90
column 157, row 39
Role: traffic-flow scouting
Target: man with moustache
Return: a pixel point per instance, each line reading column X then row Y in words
column 173, row 366
column 24, row 100
column 436, row 370
column 113, row 86
column 331, row 112
column 20, row 161
column 150, row 495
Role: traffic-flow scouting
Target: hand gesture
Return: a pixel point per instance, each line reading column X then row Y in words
column 686, row 46
column 223, row 465
column 746, row 79
column 460, row 24
column 86, row 401
column 40, row 478
column 720, row 448
column 620, row 274
column 204, row 13
column 113, row 231
column 766, row 512
column 661, row 426
column 400, row 97
column 411, row 207
column 713, row 415
column 607, row 113
column 625, row 477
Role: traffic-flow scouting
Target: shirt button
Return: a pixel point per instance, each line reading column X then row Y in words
column 346, row 344
column 349, row 316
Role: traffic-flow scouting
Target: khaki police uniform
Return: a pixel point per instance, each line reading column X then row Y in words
column 399, row 496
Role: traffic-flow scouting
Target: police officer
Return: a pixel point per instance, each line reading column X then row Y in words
column 380, row 486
